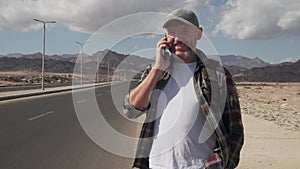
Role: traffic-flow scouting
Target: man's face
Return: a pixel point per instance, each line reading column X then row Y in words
column 185, row 38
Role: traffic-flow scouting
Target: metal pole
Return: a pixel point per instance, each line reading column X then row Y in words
column 81, row 66
column 81, row 60
column 108, row 69
column 44, row 41
column 43, row 57
column 97, row 74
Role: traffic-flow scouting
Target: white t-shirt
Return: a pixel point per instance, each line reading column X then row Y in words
column 177, row 143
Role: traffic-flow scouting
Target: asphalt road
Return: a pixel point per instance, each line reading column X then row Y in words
column 43, row 132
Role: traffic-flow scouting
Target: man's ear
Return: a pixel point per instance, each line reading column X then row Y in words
column 200, row 30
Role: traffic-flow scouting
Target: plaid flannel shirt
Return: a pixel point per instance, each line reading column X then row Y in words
column 226, row 120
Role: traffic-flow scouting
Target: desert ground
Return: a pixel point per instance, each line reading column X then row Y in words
column 271, row 118
column 22, row 78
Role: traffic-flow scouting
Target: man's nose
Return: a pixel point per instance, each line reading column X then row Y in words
column 177, row 40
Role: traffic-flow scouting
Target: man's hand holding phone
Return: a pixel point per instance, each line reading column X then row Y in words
column 164, row 52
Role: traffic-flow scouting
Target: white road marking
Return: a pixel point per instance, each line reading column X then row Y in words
column 41, row 115
column 81, row 101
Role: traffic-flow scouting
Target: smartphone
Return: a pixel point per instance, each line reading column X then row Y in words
column 167, row 52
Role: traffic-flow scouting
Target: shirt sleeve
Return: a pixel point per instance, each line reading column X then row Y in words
column 132, row 112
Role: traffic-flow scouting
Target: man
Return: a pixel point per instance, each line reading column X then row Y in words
column 193, row 117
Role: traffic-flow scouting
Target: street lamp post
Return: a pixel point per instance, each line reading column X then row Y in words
column 43, row 56
column 108, row 69
column 81, row 56
column 97, row 74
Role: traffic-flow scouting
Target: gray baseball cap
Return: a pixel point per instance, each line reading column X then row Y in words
column 184, row 15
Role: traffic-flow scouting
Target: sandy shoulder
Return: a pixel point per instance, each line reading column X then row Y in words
column 269, row 146
column 271, row 120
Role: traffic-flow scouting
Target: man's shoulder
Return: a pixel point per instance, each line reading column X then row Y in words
column 216, row 66
column 212, row 64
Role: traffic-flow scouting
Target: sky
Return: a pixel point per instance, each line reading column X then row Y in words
column 268, row 29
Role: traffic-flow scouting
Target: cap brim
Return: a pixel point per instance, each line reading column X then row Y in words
column 174, row 18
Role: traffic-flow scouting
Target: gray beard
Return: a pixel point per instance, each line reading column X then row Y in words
column 187, row 54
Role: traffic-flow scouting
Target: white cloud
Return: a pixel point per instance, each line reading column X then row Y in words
column 242, row 19
column 290, row 59
column 290, row 22
column 80, row 15
column 257, row 19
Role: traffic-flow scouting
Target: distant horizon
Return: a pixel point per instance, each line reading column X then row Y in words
column 286, row 58
column 49, row 55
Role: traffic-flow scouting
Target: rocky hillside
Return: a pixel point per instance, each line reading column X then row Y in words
column 34, row 65
column 243, row 63
column 66, row 63
column 276, row 73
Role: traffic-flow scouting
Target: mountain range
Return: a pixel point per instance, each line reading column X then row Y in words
column 287, row 72
column 243, row 63
column 242, row 68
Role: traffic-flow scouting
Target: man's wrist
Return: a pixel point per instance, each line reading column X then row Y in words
column 157, row 73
